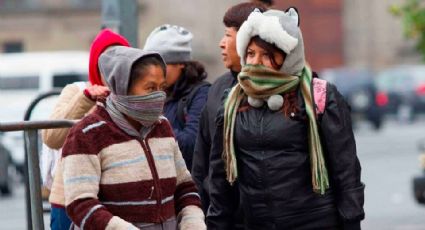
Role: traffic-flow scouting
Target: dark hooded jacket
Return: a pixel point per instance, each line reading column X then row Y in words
column 195, row 94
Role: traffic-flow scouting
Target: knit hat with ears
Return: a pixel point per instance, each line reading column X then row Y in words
column 101, row 42
column 174, row 43
column 280, row 28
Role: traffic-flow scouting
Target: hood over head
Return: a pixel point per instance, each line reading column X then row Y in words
column 115, row 65
column 103, row 40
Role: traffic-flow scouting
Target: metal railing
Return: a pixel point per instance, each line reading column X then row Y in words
column 32, row 177
column 35, row 204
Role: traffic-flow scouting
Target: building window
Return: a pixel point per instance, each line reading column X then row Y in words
column 13, row 47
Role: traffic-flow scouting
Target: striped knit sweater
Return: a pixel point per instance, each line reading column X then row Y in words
column 112, row 180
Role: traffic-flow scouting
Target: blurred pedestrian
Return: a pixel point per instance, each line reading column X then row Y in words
column 122, row 165
column 186, row 90
column 232, row 20
column 75, row 101
column 293, row 167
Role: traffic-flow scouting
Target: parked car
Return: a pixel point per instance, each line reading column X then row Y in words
column 5, row 177
column 359, row 90
column 419, row 181
column 23, row 76
column 401, row 91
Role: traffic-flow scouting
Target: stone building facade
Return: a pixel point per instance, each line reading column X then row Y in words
column 359, row 33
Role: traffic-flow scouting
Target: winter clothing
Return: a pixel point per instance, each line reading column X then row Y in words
column 278, row 28
column 174, row 43
column 103, row 40
column 72, row 104
column 157, row 183
column 279, row 156
column 206, row 131
column 120, row 181
column 186, row 131
column 115, row 64
column 144, row 109
column 274, row 171
column 187, row 96
column 260, row 82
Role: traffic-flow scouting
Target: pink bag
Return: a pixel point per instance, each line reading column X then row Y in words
column 319, row 91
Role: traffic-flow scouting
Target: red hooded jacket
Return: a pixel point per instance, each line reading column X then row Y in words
column 103, row 40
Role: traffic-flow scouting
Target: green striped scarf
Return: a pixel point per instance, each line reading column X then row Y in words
column 262, row 82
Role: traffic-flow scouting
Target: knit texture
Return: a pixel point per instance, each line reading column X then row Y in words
column 144, row 109
column 118, row 180
column 174, row 43
column 261, row 82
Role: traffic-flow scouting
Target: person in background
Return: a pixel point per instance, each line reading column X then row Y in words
column 74, row 102
column 293, row 168
column 122, row 167
column 232, row 20
column 187, row 89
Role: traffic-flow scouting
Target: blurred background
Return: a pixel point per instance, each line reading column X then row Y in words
column 372, row 50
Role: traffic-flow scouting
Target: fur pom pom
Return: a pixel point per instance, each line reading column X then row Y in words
column 275, row 102
column 256, row 103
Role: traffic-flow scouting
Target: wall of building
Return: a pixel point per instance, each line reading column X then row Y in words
column 373, row 37
column 202, row 18
column 50, row 30
column 357, row 33
column 321, row 24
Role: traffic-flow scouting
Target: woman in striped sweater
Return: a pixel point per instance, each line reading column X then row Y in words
column 122, row 166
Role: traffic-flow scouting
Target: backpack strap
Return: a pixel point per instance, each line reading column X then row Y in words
column 185, row 101
column 319, row 94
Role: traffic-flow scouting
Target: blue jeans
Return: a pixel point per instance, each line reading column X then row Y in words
column 59, row 220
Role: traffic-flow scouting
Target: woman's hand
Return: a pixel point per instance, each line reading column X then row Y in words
column 96, row 92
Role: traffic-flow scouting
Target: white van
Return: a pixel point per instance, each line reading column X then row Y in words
column 23, row 76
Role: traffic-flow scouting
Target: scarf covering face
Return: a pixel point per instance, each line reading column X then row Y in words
column 115, row 64
column 145, row 109
column 261, row 82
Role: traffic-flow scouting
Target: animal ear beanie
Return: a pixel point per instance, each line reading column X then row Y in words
column 173, row 43
column 281, row 29
column 261, row 84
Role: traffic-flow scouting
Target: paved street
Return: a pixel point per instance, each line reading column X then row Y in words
column 389, row 159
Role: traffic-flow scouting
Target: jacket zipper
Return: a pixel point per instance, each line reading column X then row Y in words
column 155, row 176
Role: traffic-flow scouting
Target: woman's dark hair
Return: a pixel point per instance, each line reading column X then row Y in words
column 270, row 49
column 140, row 68
column 237, row 14
column 290, row 103
column 265, row 2
column 192, row 73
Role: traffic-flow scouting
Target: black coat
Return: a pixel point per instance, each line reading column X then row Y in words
column 206, row 131
column 274, row 174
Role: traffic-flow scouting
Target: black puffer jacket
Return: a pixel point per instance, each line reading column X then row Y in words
column 274, row 178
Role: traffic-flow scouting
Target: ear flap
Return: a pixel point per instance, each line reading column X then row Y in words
column 293, row 13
